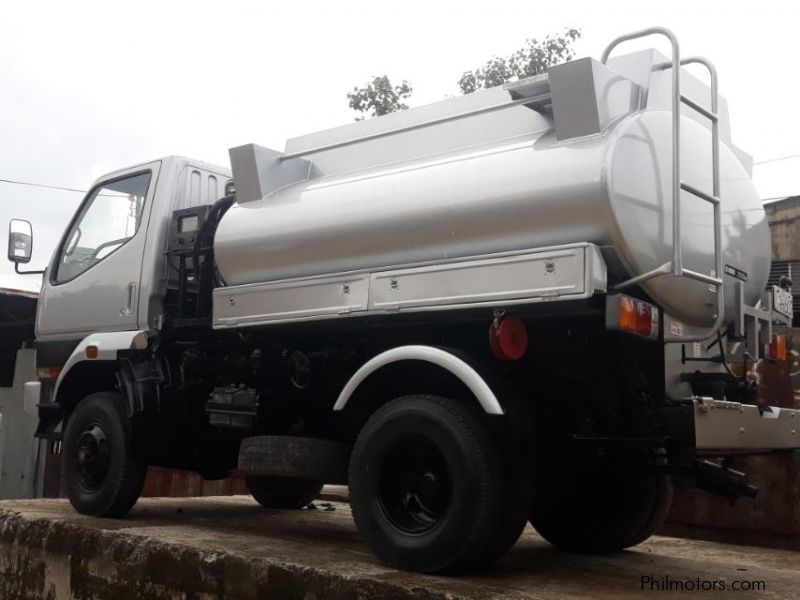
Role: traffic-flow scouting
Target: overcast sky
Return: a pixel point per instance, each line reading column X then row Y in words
column 89, row 87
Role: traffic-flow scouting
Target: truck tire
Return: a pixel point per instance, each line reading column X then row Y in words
column 101, row 475
column 283, row 492
column 514, row 516
column 602, row 503
column 287, row 456
column 427, row 486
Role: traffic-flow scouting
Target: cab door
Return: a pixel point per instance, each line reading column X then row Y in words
column 92, row 283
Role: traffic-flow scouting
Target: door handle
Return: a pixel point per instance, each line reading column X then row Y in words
column 130, row 307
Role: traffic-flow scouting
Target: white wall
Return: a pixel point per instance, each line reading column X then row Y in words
column 18, row 448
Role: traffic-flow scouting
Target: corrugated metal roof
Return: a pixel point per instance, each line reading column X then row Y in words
column 23, row 293
column 774, row 201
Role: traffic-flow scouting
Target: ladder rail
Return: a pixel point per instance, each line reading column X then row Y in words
column 675, row 266
column 714, row 197
column 677, row 256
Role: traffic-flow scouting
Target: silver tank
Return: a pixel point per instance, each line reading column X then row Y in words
column 372, row 205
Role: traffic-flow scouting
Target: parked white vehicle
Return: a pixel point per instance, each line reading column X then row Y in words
column 517, row 305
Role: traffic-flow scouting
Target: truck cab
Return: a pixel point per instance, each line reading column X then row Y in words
column 110, row 272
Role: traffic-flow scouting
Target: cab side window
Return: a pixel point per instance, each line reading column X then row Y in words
column 110, row 216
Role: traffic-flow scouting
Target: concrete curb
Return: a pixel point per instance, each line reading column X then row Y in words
column 44, row 558
column 230, row 547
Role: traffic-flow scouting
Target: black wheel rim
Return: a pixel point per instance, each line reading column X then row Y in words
column 92, row 457
column 414, row 488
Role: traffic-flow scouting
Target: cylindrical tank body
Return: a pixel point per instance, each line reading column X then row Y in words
column 612, row 189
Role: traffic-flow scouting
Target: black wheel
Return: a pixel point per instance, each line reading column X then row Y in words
column 602, row 502
column 101, row 475
column 283, row 492
column 427, row 486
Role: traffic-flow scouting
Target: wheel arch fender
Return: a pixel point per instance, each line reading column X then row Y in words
column 440, row 357
column 82, row 375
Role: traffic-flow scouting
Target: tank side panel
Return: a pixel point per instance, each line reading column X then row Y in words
column 517, row 196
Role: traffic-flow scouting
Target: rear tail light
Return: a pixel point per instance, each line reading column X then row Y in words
column 644, row 318
column 624, row 313
column 777, row 347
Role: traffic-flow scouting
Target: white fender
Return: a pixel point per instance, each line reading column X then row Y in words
column 436, row 356
column 108, row 344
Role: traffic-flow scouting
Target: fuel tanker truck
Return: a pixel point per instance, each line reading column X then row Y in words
column 542, row 302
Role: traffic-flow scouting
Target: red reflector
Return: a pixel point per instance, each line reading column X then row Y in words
column 508, row 339
column 48, row 372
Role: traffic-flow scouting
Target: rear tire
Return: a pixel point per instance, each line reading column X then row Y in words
column 101, row 475
column 283, row 492
column 514, row 516
column 427, row 486
column 602, row 502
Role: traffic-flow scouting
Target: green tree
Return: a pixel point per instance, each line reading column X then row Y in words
column 535, row 57
column 379, row 97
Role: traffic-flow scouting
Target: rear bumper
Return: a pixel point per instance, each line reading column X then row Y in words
column 708, row 424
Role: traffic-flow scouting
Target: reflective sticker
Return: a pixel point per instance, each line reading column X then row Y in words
column 676, row 328
column 734, row 272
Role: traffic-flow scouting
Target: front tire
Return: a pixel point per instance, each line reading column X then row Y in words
column 101, row 475
column 426, row 486
column 602, row 502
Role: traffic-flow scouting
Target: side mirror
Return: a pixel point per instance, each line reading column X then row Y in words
column 20, row 241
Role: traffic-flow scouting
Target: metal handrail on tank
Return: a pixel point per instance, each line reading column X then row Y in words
column 675, row 266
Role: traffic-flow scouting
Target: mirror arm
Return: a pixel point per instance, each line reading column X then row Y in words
column 16, row 269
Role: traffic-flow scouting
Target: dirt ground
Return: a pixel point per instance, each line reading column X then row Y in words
column 318, row 554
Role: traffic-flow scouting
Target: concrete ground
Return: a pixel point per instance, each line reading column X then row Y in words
column 204, row 548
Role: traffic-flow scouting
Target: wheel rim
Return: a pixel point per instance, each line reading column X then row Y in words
column 415, row 488
column 92, row 457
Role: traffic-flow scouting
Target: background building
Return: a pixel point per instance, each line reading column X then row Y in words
column 773, row 517
column 784, row 223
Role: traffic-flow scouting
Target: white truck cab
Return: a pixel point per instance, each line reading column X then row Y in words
column 109, row 272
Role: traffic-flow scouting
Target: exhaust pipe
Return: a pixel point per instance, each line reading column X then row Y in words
column 719, row 479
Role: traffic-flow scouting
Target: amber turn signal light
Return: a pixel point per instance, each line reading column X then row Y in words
column 632, row 315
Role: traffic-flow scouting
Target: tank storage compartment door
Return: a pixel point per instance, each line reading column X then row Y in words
column 539, row 275
column 572, row 272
